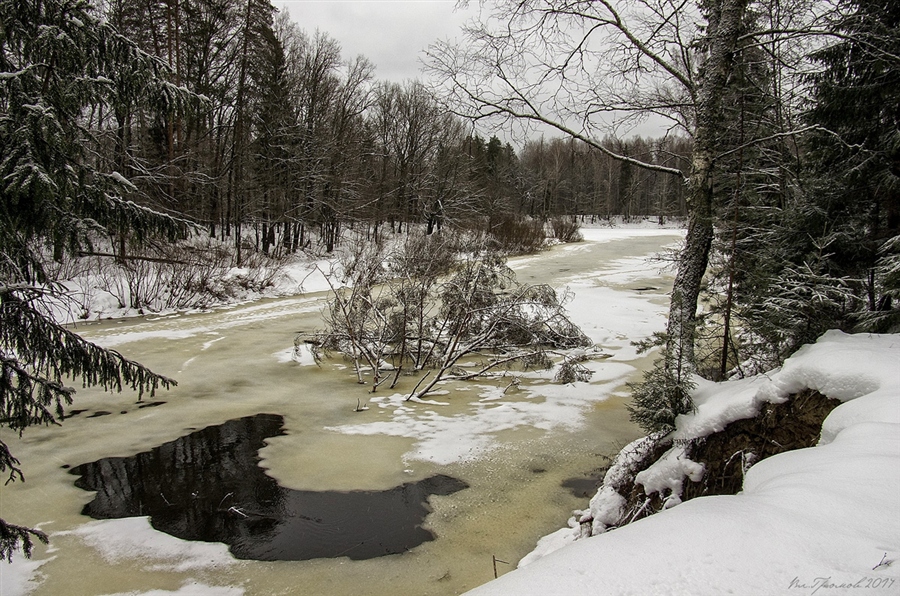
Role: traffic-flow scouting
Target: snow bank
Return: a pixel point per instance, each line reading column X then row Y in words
column 824, row 520
column 96, row 292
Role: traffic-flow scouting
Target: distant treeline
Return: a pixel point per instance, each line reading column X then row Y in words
column 280, row 134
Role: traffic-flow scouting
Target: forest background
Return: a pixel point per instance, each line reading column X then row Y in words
column 180, row 131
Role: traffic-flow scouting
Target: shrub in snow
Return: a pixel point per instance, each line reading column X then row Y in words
column 513, row 234
column 566, row 229
column 661, row 397
column 194, row 273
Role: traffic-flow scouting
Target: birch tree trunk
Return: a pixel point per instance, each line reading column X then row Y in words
column 725, row 18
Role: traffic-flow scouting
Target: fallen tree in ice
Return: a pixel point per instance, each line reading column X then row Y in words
column 428, row 304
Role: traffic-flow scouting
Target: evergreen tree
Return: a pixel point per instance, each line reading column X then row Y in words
column 809, row 232
column 755, row 184
column 803, row 225
column 856, row 99
column 271, row 148
column 58, row 60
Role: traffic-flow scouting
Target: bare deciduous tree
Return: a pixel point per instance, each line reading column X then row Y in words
column 591, row 68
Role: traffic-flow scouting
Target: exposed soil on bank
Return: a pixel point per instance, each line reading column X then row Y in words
column 728, row 454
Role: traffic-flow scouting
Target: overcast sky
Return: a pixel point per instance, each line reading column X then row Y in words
column 390, row 33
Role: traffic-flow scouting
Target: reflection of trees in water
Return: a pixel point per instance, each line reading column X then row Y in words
column 184, row 485
column 208, row 486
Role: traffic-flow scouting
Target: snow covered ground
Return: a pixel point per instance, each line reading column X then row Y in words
column 94, row 295
column 823, row 520
column 95, row 290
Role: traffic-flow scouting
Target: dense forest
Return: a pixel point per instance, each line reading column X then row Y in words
column 127, row 128
column 278, row 140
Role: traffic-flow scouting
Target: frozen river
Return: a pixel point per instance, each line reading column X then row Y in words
column 520, row 452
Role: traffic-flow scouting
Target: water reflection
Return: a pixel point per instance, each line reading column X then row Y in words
column 209, row 486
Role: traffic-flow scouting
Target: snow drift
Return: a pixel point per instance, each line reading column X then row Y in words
column 822, row 520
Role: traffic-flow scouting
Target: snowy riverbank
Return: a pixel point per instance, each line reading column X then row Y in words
column 823, row 520
column 98, row 290
column 515, row 448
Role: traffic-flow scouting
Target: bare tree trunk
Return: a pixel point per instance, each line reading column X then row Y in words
column 724, row 28
column 286, row 239
column 238, row 145
column 686, row 290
